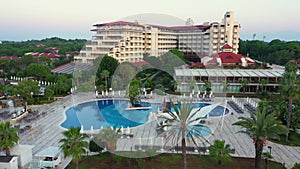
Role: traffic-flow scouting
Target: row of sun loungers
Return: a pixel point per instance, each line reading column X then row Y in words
column 175, row 148
column 32, row 117
column 235, row 107
column 251, row 108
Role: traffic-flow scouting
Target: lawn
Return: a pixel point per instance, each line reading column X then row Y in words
column 167, row 161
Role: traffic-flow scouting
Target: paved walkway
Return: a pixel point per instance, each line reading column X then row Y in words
column 47, row 132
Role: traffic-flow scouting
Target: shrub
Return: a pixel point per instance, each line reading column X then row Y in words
column 296, row 166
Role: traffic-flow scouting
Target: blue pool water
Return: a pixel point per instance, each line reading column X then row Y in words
column 112, row 112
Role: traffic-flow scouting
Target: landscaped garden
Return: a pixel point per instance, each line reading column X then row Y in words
column 167, row 161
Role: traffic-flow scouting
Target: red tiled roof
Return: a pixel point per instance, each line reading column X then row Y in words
column 140, row 63
column 9, row 57
column 297, row 60
column 230, row 57
column 155, row 26
column 48, row 55
column 226, row 46
column 116, row 23
column 61, row 66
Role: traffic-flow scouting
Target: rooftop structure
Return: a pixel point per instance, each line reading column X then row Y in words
column 68, row 68
column 130, row 41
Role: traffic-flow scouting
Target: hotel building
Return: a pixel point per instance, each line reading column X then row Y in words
column 131, row 41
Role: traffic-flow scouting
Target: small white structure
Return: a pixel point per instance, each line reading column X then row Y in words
column 23, row 152
column 49, row 157
column 9, row 162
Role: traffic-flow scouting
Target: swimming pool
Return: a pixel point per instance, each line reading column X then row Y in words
column 112, row 112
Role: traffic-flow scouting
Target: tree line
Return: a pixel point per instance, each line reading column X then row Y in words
column 274, row 52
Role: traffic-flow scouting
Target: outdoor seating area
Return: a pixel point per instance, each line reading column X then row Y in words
column 33, row 116
column 235, row 107
column 250, row 108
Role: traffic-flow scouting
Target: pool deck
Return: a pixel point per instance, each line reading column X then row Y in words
column 47, row 132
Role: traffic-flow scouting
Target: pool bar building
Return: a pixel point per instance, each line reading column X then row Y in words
column 189, row 79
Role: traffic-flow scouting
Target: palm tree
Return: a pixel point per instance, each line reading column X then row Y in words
column 208, row 86
column 109, row 137
column 184, row 125
column 244, row 83
column 262, row 126
column 8, row 137
column 290, row 89
column 105, row 75
column 73, row 144
column 220, row 152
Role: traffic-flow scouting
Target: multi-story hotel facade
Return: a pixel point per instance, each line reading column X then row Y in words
column 131, row 41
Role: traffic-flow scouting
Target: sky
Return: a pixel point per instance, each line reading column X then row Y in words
column 22, row 20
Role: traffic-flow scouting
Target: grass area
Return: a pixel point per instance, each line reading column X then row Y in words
column 294, row 139
column 167, row 161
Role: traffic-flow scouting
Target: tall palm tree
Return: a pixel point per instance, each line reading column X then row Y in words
column 105, row 75
column 290, row 89
column 73, row 144
column 262, row 126
column 184, row 125
column 244, row 83
column 8, row 137
column 220, row 152
column 109, row 137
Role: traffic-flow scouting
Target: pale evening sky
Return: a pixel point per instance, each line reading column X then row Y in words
column 70, row 19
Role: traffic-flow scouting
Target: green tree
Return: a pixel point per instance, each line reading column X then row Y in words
column 45, row 60
column 244, row 84
column 290, row 89
column 208, row 86
column 38, row 70
column 49, row 93
column 63, row 84
column 8, row 137
column 25, row 87
column 134, row 90
column 263, row 83
column 262, row 126
column 73, row 144
column 105, row 63
column 184, row 125
column 105, row 75
column 220, row 152
column 109, row 137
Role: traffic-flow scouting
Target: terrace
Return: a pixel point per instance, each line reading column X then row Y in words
column 47, row 132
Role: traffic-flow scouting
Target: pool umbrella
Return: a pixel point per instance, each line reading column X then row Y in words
column 92, row 130
column 121, row 129
column 128, row 130
column 81, row 129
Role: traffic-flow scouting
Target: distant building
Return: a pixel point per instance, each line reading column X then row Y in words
column 227, row 58
column 130, row 41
